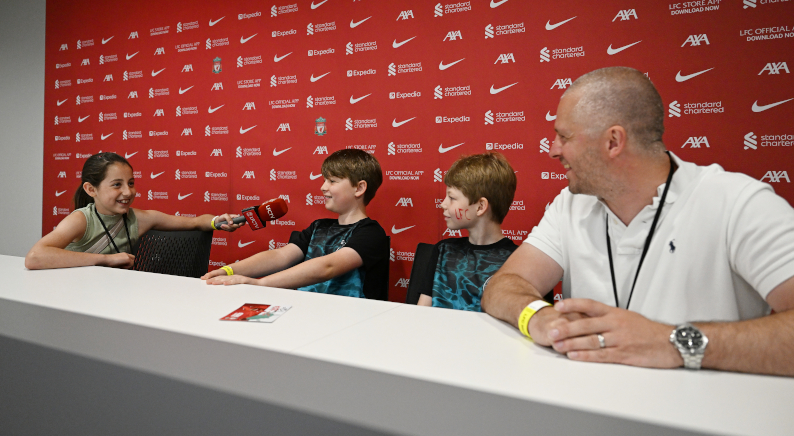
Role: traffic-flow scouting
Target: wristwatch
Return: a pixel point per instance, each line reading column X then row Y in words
column 691, row 343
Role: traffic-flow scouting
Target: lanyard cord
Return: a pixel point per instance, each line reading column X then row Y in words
column 647, row 240
column 123, row 217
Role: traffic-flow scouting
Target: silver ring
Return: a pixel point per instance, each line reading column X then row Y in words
column 601, row 341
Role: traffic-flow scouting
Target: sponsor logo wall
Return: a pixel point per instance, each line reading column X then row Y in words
column 225, row 105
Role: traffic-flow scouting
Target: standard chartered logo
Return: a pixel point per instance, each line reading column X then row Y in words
column 273, row 174
column 438, row 93
column 675, row 109
column 124, row 135
column 544, row 145
column 151, row 154
column 349, row 124
column 309, row 200
column 151, row 92
column 239, row 61
column 544, row 55
column 55, row 210
column 750, row 141
column 271, row 245
column 489, row 117
column 437, row 175
column 150, row 195
column 391, row 254
column 179, row 27
column 349, row 48
column 208, row 44
column 56, row 120
column 126, row 76
column 391, row 148
column 239, row 152
column 207, row 131
column 488, row 31
column 392, row 69
column 178, row 175
column 178, row 111
column 439, row 11
column 310, row 29
column 207, row 196
column 309, row 101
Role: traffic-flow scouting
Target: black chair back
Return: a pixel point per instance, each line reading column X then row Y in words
column 422, row 272
column 178, row 253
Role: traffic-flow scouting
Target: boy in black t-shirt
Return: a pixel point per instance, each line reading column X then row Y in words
column 345, row 256
column 480, row 190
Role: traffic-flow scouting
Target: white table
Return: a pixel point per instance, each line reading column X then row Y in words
column 106, row 339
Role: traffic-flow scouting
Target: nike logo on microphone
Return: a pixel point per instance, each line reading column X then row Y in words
column 211, row 110
column 132, row 55
column 396, row 44
column 182, row 91
column 679, row 78
column 442, row 149
column 550, row 26
column 356, row 100
column 240, row 243
column 395, row 230
column 611, row 51
column 154, row 74
column 58, row 194
column 62, row 102
column 106, row 136
column 550, row 117
column 212, row 23
column 443, row 67
column 353, row 24
column 497, row 4
column 245, row 130
column 276, row 153
column 757, row 108
column 278, row 59
column 313, row 177
column 81, row 119
column 244, row 40
column 154, row 176
column 315, row 6
column 182, row 197
column 127, row 156
column 498, row 90
column 314, row 79
column 105, row 41
column 394, row 123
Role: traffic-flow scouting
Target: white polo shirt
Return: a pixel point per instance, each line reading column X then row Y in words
column 723, row 242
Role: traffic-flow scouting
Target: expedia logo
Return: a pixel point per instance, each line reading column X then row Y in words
column 552, row 175
column 399, row 95
column 356, row 73
column 321, row 52
column 248, row 16
column 277, row 33
column 460, row 119
column 498, row 146
column 214, row 175
column 242, row 197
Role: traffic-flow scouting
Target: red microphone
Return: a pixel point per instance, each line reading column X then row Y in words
column 258, row 216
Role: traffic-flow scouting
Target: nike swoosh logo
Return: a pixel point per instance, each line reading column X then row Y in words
column 80, row 120
column 315, row 6
column 356, row 100
column 443, row 67
column 212, row 23
column 394, row 230
column 498, row 90
column 611, row 51
column 442, row 149
column 62, row 102
column 106, row 136
column 396, row 44
column 550, row 26
column 154, row 176
column 244, row 40
column 314, row 79
column 132, row 56
column 58, row 194
column 105, row 41
column 679, row 78
column 245, row 130
column 497, row 4
column 353, row 24
column 154, row 74
column 550, row 117
column 276, row 153
column 757, row 108
column 394, row 123
column 127, row 156
column 240, row 243
column 182, row 91
column 313, row 177
column 277, row 59
column 211, row 110
column 182, row 197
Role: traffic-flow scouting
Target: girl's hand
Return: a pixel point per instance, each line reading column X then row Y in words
column 228, row 217
column 119, row 260
column 232, row 280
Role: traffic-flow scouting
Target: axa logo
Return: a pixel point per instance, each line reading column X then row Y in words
column 776, row 176
column 674, row 109
column 775, row 68
column 133, row 35
column 159, row 113
column 217, row 86
column 188, row 68
column 562, row 83
column 626, row 14
column 108, row 78
column 159, row 51
column 453, row 35
column 696, row 142
column 85, row 62
column 404, row 15
column 453, row 233
column 284, row 197
column 248, row 175
column 405, row 202
column 695, row 40
column 750, row 141
column 321, row 150
column 250, row 106
column 505, row 58
column 283, row 127
column 188, row 131
column 402, row 283
column 66, row 47
column 216, row 152
column 544, row 145
column 62, row 174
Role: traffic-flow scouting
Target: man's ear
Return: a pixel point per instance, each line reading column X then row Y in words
column 483, row 206
column 361, row 188
column 89, row 189
column 616, row 138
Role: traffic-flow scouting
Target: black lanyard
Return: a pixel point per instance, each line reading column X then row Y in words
column 123, row 217
column 647, row 240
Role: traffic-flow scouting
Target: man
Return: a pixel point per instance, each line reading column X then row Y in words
column 645, row 243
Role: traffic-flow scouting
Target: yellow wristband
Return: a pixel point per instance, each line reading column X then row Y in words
column 212, row 223
column 527, row 314
column 228, row 269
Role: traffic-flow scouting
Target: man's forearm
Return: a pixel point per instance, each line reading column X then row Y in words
column 506, row 295
column 762, row 346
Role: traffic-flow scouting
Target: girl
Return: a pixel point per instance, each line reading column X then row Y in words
column 103, row 228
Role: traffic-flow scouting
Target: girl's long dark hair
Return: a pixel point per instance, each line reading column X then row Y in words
column 94, row 171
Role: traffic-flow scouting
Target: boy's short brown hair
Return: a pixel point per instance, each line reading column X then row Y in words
column 354, row 165
column 486, row 175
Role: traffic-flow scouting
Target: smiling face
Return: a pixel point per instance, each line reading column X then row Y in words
column 115, row 193
column 339, row 194
column 458, row 213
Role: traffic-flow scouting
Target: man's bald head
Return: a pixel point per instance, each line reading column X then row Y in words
column 624, row 97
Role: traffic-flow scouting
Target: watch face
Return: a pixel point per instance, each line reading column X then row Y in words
column 689, row 337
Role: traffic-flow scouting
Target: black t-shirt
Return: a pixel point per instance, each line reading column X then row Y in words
column 367, row 237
